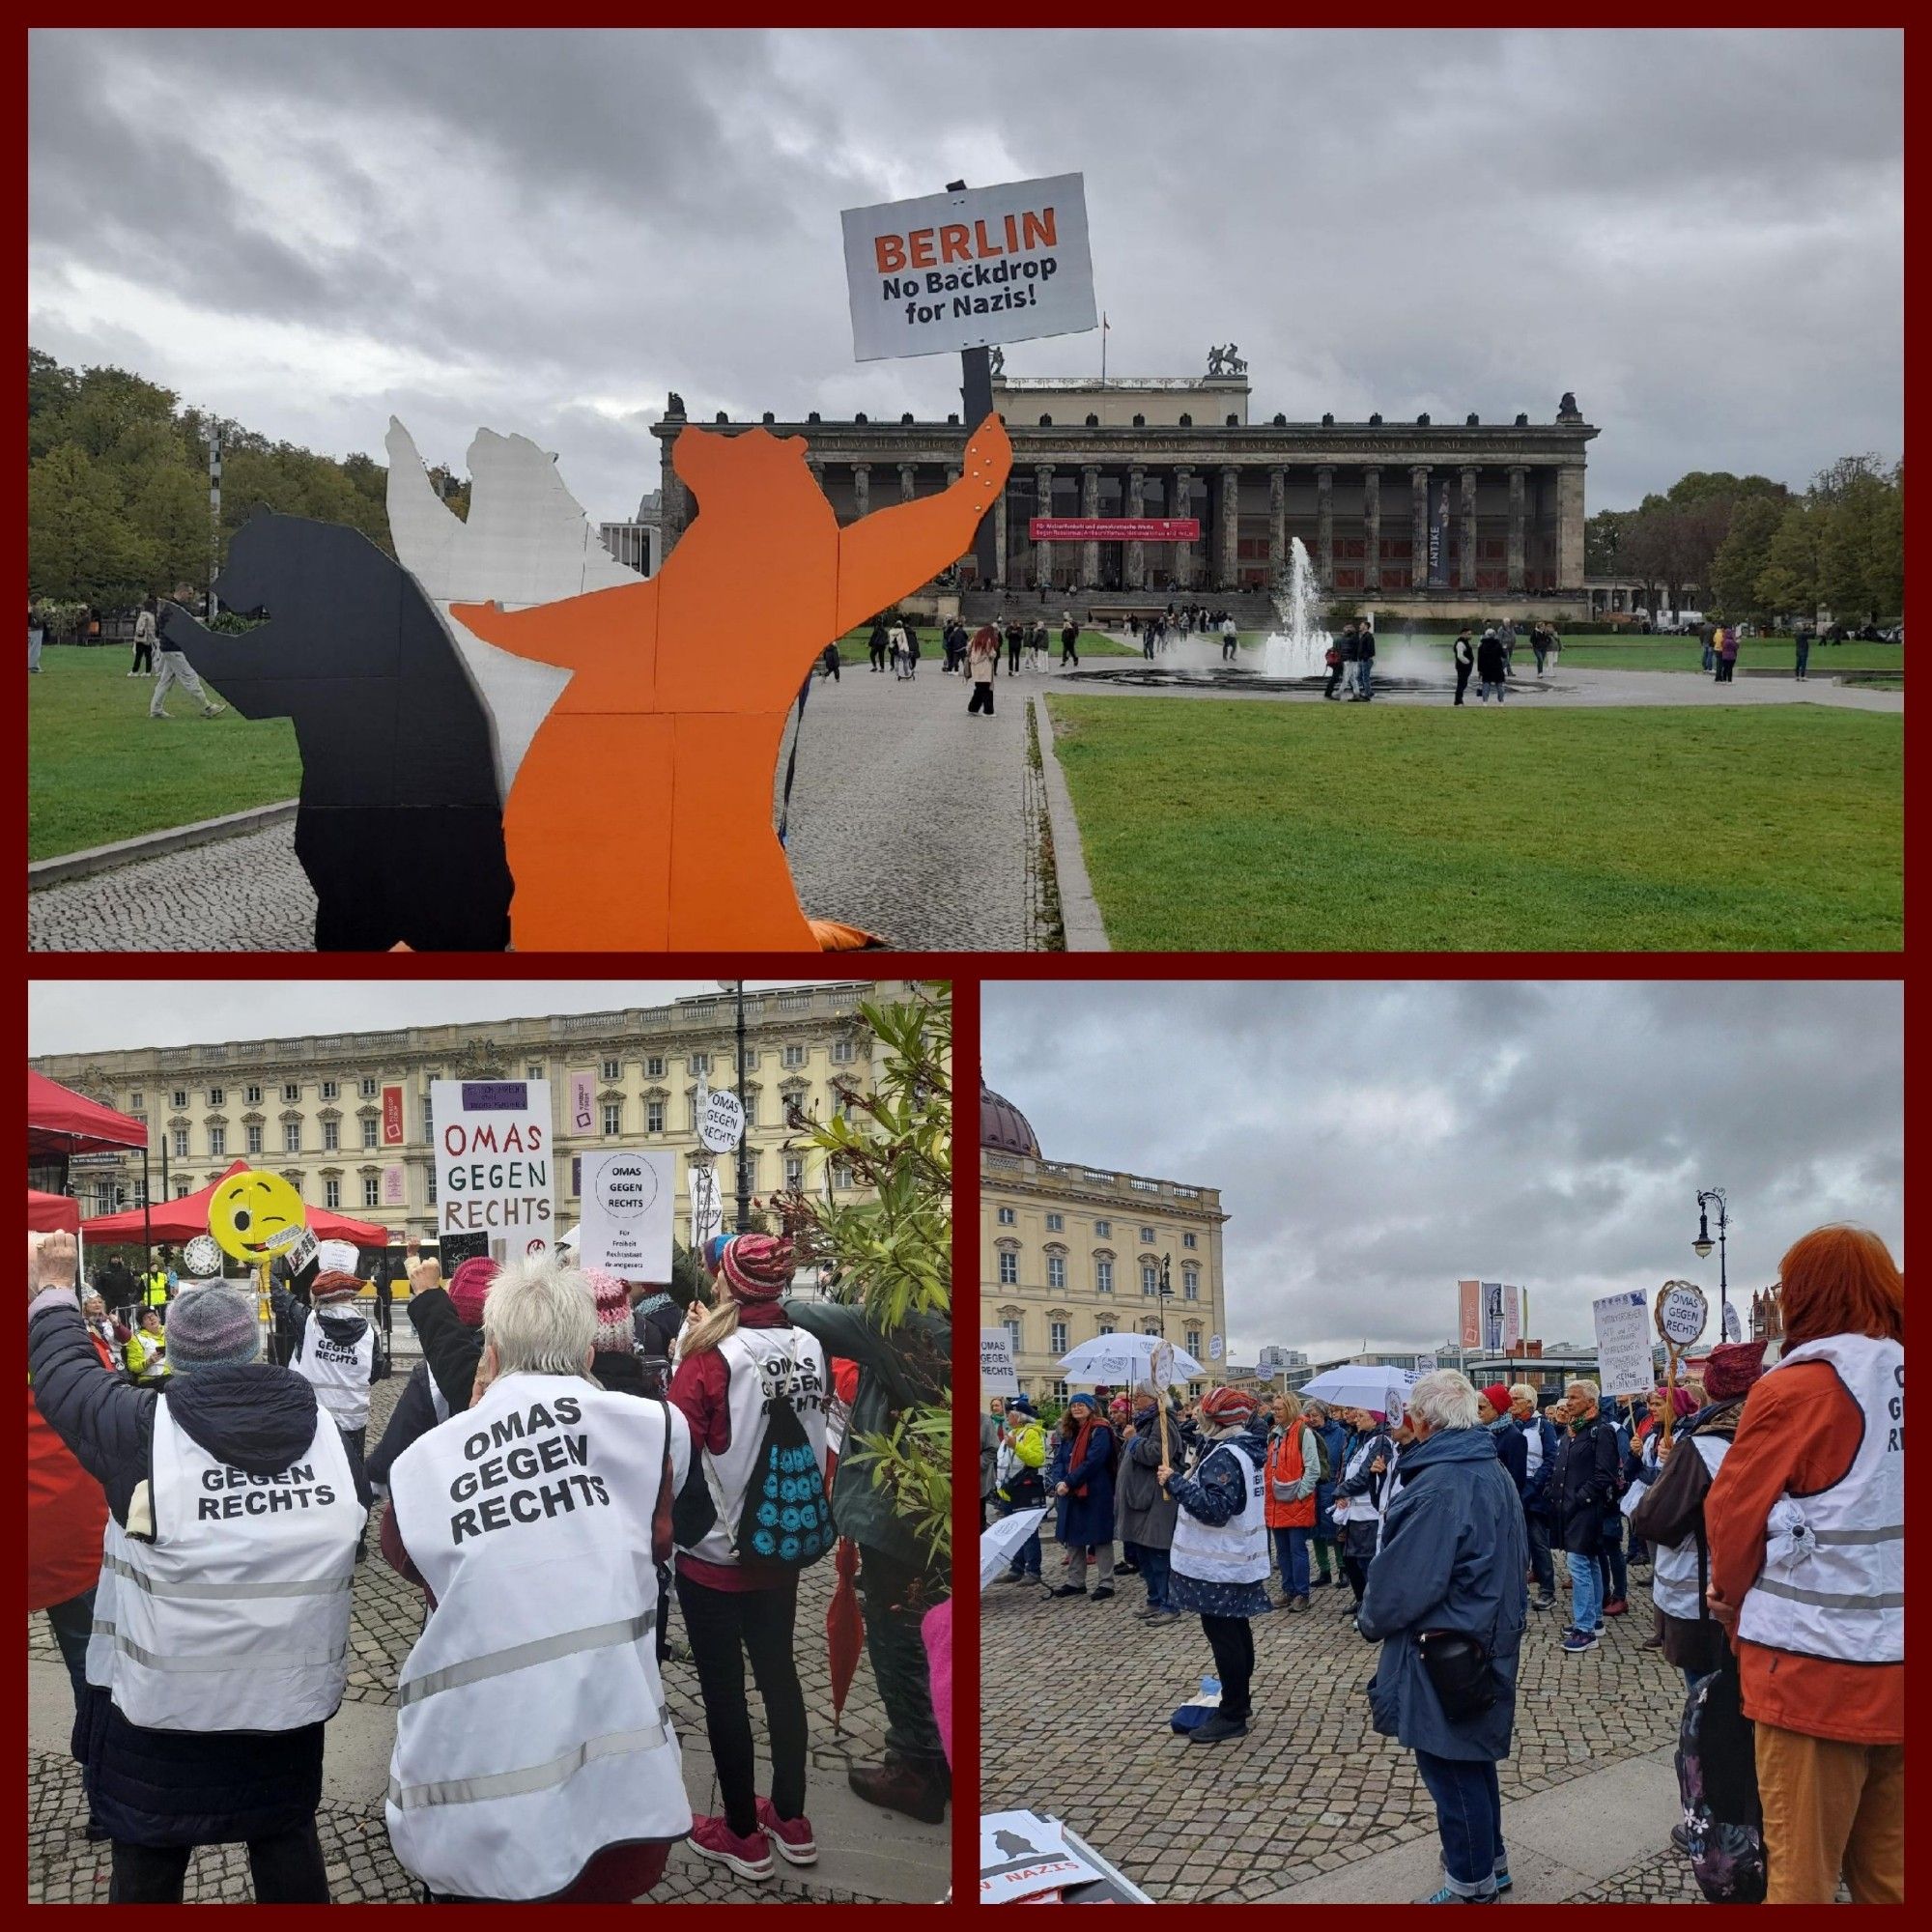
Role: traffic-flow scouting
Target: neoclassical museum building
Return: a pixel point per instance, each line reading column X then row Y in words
column 1410, row 518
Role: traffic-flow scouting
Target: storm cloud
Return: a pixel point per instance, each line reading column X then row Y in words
column 1376, row 1142
column 1701, row 234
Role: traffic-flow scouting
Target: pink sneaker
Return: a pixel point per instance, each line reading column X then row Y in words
column 749, row 1857
column 791, row 1837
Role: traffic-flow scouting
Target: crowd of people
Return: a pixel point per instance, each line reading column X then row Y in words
column 1769, row 1515
column 574, row 1458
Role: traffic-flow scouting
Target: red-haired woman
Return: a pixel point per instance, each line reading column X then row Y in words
column 1806, row 1525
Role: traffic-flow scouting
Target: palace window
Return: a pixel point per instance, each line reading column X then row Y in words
column 613, row 1117
column 372, row 1190
column 366, row 1088
column 1056, row 1270
column 291, row 1091
column 1147, row 1237
column 369, row 1126
column 612, row 1070
column 291, row 1137
column 1194, row 1343
column 332, row 1194
column 1190, row 1284
column 654, row 1067
column 794, row 1056
column 1150, row 1278
column 1060, row 1389
column 1149, row 1327
column 1057, row 1337
column 1105, row 1328
column 1006, row 1217
column 842, row 1052
column 254, row 1140
column 179, row 1098
column 215, row 1096
column 1055, row 1223
column 181, row 1143
column 252, row 1095
column 1103, row 1230
column 1187, row 1240
column 331, row 1090
column 332, row 1136
column 1013, row 1327
column 1010, row 1268
column 1104, row 1277
column 794, row 1172
column 654, row 1116
column 217, row 1139
column 699, row 1062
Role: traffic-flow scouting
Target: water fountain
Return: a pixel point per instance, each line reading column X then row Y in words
column 1301, row 648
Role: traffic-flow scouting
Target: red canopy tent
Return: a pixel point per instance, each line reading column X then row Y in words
column 61, row 1121
column 46, row 1213
column 182, row 1220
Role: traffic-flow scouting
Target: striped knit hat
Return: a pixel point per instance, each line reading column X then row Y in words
column 614, row 1333
column 756, row 1268
column 212, row 1327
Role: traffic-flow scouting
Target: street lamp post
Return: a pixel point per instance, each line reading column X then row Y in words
column 1701, row 1246
column 737, row 986
column 1165, row 1295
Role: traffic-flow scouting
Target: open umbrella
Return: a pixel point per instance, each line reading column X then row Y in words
column 1123, row 1358
column 1000, row 1542
column 844, row 1626
column 1362, row 1385
column 182, row 1219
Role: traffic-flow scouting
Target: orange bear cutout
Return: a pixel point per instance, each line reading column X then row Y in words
column 681, row 684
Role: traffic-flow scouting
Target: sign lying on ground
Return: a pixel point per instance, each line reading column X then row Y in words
column 493, row 1162
column 1024, row 1854
column 946, row 271
column 996, row 1374
column 1113, row 530
column 628, row 1197
column 1623, row 1344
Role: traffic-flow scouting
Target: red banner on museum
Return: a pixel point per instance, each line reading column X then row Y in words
column 1114, row 530
column 392, row 1117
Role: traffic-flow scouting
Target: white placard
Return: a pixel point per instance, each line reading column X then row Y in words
column 721, row 1123
column 1681, row 1313
column 1624, row 1365
column 997, row 1373
column 1425, row 1365
column 1213, row 1347
column 1000, row 263
column 1022, row 1855
column 493, row 1162
column 628, row 1195
column 707, row 1206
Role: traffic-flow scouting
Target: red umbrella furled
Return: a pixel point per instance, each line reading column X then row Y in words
column 844, row 1627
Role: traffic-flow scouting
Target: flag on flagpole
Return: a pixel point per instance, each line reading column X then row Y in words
column 1104, row 326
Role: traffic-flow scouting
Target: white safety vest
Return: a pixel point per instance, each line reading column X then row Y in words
column 1673, row 1579
column 762, row 1362
column 532, row 1729
column 339, row 1372
column 1365, row 1507
column 1833, row 1578
column 1235, row 1552
column 235, row 1616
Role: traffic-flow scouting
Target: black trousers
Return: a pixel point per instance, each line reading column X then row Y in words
column 1013, row 660
column 1067, row 654
column 878, row 657
column 1356, row 1572
column 980, row 691
column 1334, row 678
column 287, row 1869
column 1232, row 1640
column 1462, row 679
column 724, row 1627
column 896, row 1652
column 144, row 658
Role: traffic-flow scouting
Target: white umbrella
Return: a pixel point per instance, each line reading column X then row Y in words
column 1000, row 1542
column 1362, row 1385
column 1124, row 1358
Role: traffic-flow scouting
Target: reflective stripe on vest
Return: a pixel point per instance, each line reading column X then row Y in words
column 1833, row 1578
column 761, row 1361
column 1235, row 1552
column 235, row 1616
column 531, row 1730
column 339, row 1372
column 1673, row 1579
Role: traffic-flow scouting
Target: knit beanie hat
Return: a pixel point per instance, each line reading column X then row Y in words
column 1498, row 1396
column 1077, row 1398
column 714, row 1250
column 335, row 1286
column 614, row 1334
column 756, row 1268
column 1730, row 1369
column 467, row 1286
column 212, row 1327
column 1227, row 1407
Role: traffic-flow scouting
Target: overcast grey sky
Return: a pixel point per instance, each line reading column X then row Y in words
column 1376, row 1142
column 100, row 1016
column 1700, row 234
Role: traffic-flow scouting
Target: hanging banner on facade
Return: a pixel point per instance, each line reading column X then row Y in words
column 1469, row 1312
column 392, row 1117
column 1623, row 1344
column 1438, row 539
column 627, row 1213
column 1113, row 530
column 1512, row 1318
column 947, row 271
column 395, row 1192
column 582, row 1102
column 493, row 1162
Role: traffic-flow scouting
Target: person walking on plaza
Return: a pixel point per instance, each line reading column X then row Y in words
column 1334, row 1446
column 1022, row 1479
column 1230, row 638
column 1539, row 1452
column 912, row 649
column 1293, row 1469
column 879, row 643
column 1806, row 1526
column 1220, row 1556
column 983, row 661
column 1349, row 645
column 1800, row 644
column 1087, row 1488
column 1583, row 1493
column 1037, row 646
column 1365, row 662
column 1490, row 667
column 175, row 670
column 1463, row 652
column 1147, row 1512
column 145, row 637
column 1447, row 1601
column 220, row 1628
column 735, row 1602
column 1069, row 643
column 534, row 1759
column 1358, row 1495
column 829, row 659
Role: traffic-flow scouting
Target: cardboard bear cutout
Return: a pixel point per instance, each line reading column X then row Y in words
column 398, row 826
column 640, row 817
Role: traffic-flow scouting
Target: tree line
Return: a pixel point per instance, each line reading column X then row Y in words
column 1758, row 551
column 116, row 487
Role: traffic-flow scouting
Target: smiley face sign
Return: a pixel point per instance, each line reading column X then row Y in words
column 255, row 1216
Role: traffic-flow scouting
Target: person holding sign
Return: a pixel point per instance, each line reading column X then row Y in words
column 1806, row 1522
column 754, row 1389
column 220, row 1633
column 534, row 1759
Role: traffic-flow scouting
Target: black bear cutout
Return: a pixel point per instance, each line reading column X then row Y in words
column 399, row 826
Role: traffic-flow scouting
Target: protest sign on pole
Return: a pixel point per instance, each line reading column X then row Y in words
column 969, row 267
column 493, row 1163
column 1681, row 1313
column 1469, row 1307
column 707, row 1206
column 628, row 1197
column 1624, row 1364
column 1213, row 1347
column 997, row 1373
column 721, row 1123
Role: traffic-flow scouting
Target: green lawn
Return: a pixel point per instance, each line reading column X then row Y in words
column 1283, row 827
column 98, row 768
column 1688, row 654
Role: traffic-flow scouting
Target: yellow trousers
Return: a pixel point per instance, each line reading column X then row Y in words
column 1831, row 1808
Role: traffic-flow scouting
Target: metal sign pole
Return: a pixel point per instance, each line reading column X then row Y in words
column 975, row 397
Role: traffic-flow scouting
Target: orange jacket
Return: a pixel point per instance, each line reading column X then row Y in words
column 1285, row 1465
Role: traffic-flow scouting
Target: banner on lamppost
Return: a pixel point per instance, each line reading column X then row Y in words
column 1438, row 539
column 1512, row 1318
column 582, row 1103
column 1493, row 1314
column 1469, row 1312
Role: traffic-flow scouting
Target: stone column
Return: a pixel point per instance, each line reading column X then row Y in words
column 1418, row 526
column 1324, row 525
column 1182, row 506
column 1465, row 575
column 1001, row 520
column 908, row 481
column 862, row 489
column 1135, row 574
column 1518, row 476
column 673, row 506
column 1090, row 507
column 1229, row 574
column 1277, row 527
column 1372, row 529
column 1569, row 527
column 1043, row 495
